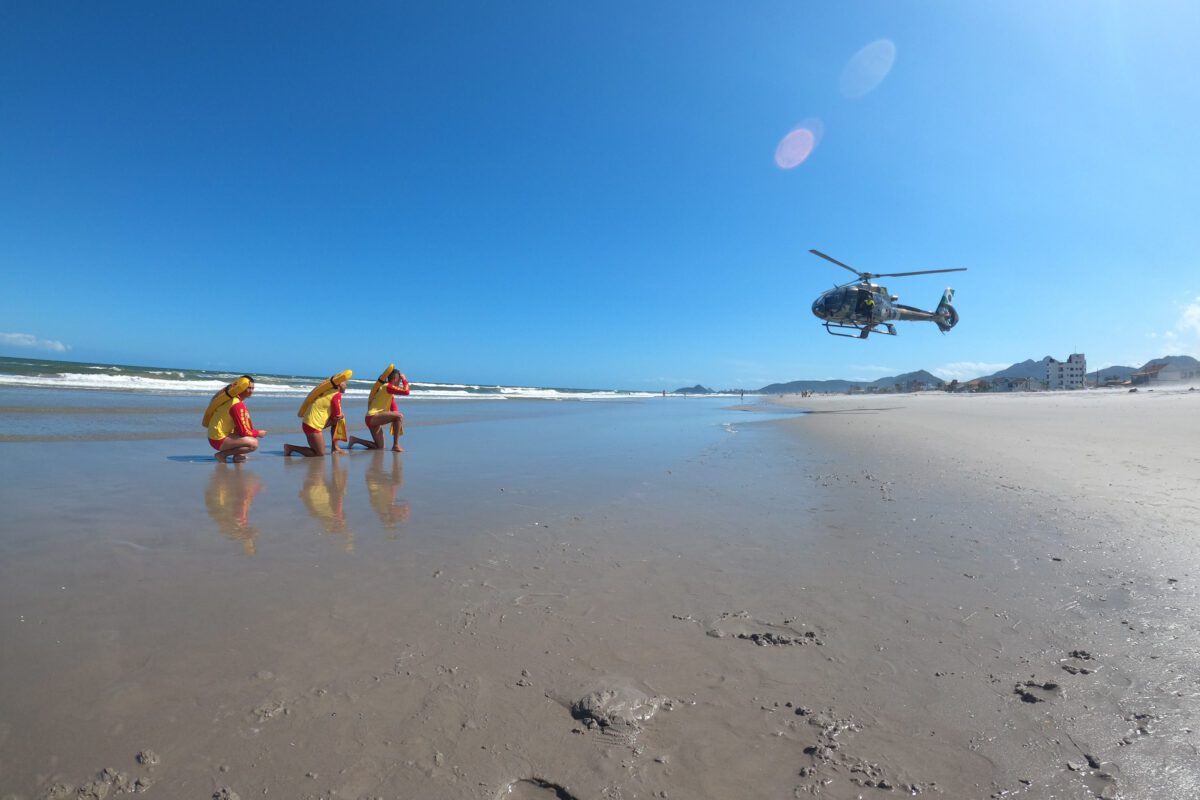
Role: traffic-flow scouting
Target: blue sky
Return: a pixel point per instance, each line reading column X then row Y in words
column 587, row 194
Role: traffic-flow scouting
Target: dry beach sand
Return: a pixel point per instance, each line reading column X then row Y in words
column 1064, row 548
column 947, row 596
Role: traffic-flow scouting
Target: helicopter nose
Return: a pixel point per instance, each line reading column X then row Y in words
column 818, row 308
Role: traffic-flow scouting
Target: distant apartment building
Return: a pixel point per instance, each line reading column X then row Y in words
column 1069, row 374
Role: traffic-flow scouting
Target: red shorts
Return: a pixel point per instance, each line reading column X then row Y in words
column 216, row 444
column 367, row 419
column 309, row 428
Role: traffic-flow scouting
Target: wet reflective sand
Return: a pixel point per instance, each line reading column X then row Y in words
column 496, row 611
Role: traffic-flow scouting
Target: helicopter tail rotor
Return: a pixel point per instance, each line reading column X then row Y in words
column 944, row 316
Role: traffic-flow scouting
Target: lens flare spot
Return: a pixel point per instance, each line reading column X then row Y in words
column 795, row 148
column 867, row 68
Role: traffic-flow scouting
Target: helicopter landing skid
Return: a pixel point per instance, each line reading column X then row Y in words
column 863, row 331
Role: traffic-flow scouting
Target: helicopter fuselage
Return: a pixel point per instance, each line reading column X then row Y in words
column 859, row 304
column 863, row 307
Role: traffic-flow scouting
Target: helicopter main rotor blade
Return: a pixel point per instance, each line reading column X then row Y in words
column 835, row 261
column 922, row 272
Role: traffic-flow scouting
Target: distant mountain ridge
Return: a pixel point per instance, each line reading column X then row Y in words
column 839, row 385
column 1024, row 369
column 1125, row 373
column 1172, row 361
column 1117, row 372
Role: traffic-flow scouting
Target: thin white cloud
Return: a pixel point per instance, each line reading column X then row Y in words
column 869, row 372
column 29, row 340
column 966, row 370
column 1190, row 319
column 1184, row 337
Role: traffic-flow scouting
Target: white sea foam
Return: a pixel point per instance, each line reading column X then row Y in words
column 266, row 386
column 534, row 393
column 135, row 383
column 474, row 386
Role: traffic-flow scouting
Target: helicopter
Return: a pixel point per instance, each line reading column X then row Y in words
column 866, row 307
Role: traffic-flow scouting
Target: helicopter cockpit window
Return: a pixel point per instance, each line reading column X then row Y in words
column 837, row 303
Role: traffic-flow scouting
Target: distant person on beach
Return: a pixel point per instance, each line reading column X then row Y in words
column 320, row 413
column 230, row 431
column 382, row 412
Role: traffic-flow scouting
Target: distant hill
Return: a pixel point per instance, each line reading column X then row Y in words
column 1037, row 369
column 1026, row 369
column 927, row 378
column 1111, row 373
column 1173, row 361
column 838, row 385
column 1126, row 373
column 795, row 387
column 697, row 389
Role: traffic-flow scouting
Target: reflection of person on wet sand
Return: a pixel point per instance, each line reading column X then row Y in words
column 382, row 486
column 324, row 497
column 228, row 497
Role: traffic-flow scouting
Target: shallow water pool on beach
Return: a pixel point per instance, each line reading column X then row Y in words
column 136, row 570
column 141, row 463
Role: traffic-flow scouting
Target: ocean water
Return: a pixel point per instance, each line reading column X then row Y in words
column 60, row 401
column 73, row 376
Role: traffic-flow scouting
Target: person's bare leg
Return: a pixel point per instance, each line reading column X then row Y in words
column 232, row 453
column 395, row 420
column 316, row 446
column 330, row 426
column 359, row 440
column 236, row 447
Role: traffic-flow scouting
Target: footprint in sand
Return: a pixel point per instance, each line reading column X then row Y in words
column 617, row 709
column 538, row 598
column 1034, row 691
column 534, row 789
column 1077, row 663
column 741, row 625
column 831, row 756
